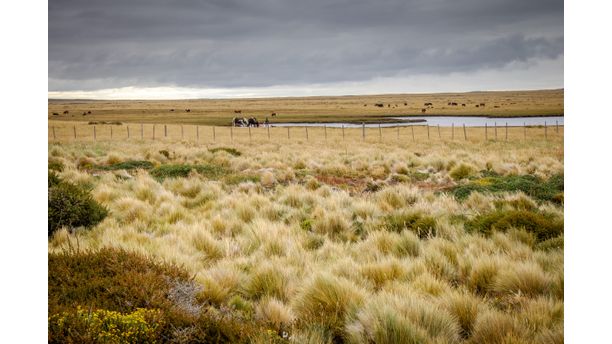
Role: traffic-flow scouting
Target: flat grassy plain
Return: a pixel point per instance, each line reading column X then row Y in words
column 312, row 240
column 312, row 109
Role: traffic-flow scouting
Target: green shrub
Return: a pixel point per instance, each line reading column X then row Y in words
column 71, row 206
column 551, row 244
column 235, row 179
column 177, row 171
column 231, row 151
column 55, row 166
column 531, row 185
column 543, row 227
column 128, row 165
column 422, row 225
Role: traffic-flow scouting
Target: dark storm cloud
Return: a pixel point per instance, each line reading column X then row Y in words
column 102, row 44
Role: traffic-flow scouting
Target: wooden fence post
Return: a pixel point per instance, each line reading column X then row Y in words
column 428, row 131
column 111, row 130
column 343, row 132
column 197, row 133
column 94, row 132
column 325, row 129
column 412, row 127
column 453, row 131
column 288, row 134
column 268, row 126
column 74, row 130
column 439, row 134
column 524, row 131
column 363, row 131
column 214, row 134
column 545, row 131
column 486, row 132
column 250, row 133
column 464, row 132
column 232, row 134
column 182, row 132
column 53, row 128
column 128, row 130
column 165, row 130
column 141, row 131
column 306, row 127
column 506, row 131
column 379, row 133
column 398, row 127
column 557, row 126
column 495, row 131
column 153, row 131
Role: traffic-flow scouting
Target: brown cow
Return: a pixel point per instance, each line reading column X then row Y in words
column 423, row 110
column 66, row 112
column 273, row 114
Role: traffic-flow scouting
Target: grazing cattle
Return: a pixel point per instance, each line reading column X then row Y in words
column 496, row 106
column 273, row 114
column 476, row 105
column 171, row 110
column 237, row 111
column 365, row 105
column 428, row 104
column 187, row 110
column 454, row 104
column 388, row 105
column 379, row 104
column 253, row 122
column 55, row 114
column 405, row 104
column 66, row 112
column 449, row 103
column 463, row 105
column 482, row 104
column 84, row 113
column 423, row 110
column 89, row 112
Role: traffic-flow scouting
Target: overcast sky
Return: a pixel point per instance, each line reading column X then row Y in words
column 227, row 48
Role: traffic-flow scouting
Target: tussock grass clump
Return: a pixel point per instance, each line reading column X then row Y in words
column 71, row 206
column 526, row 278
column 327, row 301
column 55, row 165
column 207, row 245
column 422, row 225
column 483, row 274
column 266, row 280
column 408, row 244
column 382, row 272
column 228, row 150
column 465, row 308
column 544, row 227
column 496, row 328
column 334, row 225
column 551, row 244
column 461, row 172
column 275, row 313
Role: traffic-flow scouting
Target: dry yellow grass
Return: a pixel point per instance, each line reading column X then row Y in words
column 303, row 242
column 313, row 109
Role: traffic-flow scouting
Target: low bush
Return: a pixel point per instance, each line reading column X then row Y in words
column 71, row 206
column 229, row 150
column 55, row 165
column 180, row 171
column 235, row 179
column 542, row 226
column 533, row 186
column 127, row 165
column 422, row 225
column 461, row 172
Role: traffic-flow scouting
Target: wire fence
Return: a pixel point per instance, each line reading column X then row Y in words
column 80, row 131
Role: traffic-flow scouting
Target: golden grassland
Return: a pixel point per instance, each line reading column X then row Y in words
column 304, row 232
column 311, row 109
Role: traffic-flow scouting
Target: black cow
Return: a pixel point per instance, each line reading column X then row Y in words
column 239, row 122
column 253, row 122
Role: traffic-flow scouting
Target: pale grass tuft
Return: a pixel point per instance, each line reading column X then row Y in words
column 268, row 179
column 275, row 312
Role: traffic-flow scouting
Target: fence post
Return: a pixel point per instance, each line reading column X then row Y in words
column 197, row 133
column 506, row 131
column 268, row 127
column 453, row 131
column 232, row 134
column 288, row 135
column 128, row 130
column 363, row 131
column 249, row 133
column 343, row 132
column 306, row 132
column 495, row 131
column 379, row 133
column 398, row 127
column 111, row 128
column 412, row 127
column 428, row 131
column 464, row 132
column 74, row 130
column 214, row 134
column 182, row 132
column 524, row 131
column 53, row 128
column 141, row 131
column 557, row 126
column 325, row 129
column 486, row 132
column 545, row 131
column 94, row 132
column 153, row 131
column 439, row 134
column 165, row 130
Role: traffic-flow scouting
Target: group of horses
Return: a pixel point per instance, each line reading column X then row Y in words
column 244, row 122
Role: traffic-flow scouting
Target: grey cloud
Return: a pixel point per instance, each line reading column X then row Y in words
column 102, row 44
